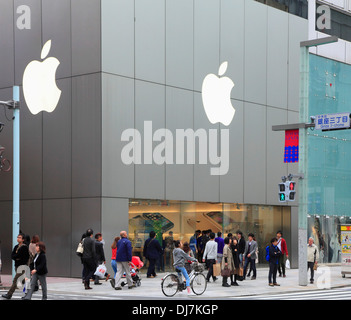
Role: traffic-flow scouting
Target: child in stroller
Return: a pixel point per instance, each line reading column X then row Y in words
column 135, row 265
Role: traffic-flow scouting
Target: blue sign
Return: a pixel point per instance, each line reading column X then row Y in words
column 333, row 121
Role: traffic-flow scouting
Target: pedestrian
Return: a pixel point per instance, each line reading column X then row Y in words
column 32, row 248
column 227, row 263
column 188, row 251
column 100, row 256
column 312, row 257
column 113, row 260
column 32, row 252
column 39, row 272
column 284, row 250
column 234, row 245
column 123, row 259
column 210, row 255
column 169, row 246
column 20, row 255
column 179, row 258
column 220, row 243
column 241, row 245
column 249, row 255
column 274, row 255
column 256, row 260
column 89, row 258
column 152, row 251
column 193, row 243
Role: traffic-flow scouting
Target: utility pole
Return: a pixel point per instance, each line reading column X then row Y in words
column 15, row 106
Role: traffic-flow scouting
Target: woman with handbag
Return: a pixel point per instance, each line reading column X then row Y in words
column 236, row 259
column 227, row 264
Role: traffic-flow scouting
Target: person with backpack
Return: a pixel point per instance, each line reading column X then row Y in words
column 273, row 258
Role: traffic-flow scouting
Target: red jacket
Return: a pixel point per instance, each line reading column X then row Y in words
column 284, row 248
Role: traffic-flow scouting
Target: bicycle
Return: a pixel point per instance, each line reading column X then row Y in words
column 172, row 283
column 5, row 165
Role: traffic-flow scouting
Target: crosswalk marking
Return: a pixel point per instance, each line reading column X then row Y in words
column 330, row 294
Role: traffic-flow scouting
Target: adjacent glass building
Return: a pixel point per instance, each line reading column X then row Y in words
column 329, row 173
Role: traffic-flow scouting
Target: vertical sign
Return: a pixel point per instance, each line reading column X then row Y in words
column 345, row 234
column 291, row 153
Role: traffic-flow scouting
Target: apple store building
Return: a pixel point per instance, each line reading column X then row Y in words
column 148, row 115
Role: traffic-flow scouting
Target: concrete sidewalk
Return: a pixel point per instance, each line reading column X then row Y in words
column 325, row 278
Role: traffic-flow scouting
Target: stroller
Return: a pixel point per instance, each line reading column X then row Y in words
column 135, row 266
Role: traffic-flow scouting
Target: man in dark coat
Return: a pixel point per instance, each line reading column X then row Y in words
column 152, row 251
column 20, row 255
column 89, row 258
column 100, row 255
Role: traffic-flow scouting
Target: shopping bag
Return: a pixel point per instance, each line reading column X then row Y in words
column 287, row 264
column 216, row 270
column 100, row 271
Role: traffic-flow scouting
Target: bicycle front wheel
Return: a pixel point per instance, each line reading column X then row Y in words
column 170, row 285
column 199, row 284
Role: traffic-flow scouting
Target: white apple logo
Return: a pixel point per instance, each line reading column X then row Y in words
column 39, row 83
column 216, row 97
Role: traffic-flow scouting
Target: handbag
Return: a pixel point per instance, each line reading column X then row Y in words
column 80, row 249
column 241, row 272
column 100, row 271
column 216, row 270
column 226, row 272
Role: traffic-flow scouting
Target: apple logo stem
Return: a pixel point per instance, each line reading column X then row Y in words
column 216, row 96
column 39, row 83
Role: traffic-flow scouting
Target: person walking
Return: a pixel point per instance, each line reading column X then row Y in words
column 113, row 260
column 220, row 243
column 123, row 259
column 100, row 256
column 227, row 263
column 152, row 251
column 20, row 255
column 274, row 255
column 236, row 260
column 241, row 245
column 188, row 251
column 88, row 258
column 249, row 255
column 284, row 250
column 39, row 272
column 312, row 257
column 210, row 255
column 179, row 258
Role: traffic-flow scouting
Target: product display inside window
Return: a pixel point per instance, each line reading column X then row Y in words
column 179, row 220
column 325, row 231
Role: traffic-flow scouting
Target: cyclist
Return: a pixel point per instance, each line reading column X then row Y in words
column 179, row 258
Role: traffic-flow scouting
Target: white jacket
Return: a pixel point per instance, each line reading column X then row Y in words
column 210, row 250
column 312, row 253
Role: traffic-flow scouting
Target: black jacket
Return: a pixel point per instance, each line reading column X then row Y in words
column 40, row 264
column 20, row 254
column 274, row 254
column 99, row 250
column 89, row 249
column 241, row 244
column 235, row 254
column 152, row 249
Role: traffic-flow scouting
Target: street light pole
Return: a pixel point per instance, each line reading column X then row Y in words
column 14, row 104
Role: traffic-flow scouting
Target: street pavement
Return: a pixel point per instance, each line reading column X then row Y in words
column 326, row 277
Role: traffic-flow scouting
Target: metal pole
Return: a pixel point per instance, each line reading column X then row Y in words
column 16, row 168
column 303, row 166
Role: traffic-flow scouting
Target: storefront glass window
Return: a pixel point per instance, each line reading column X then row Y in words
column 179, row 220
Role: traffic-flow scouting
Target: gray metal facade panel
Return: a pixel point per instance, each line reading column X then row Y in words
column 117, row 116
column 56, row 21
column 57, row 146
column 7, row 60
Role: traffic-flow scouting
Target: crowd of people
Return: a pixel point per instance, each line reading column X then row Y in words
column 233, row 258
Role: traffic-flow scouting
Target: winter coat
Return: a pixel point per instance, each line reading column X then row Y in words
column 227, row 256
